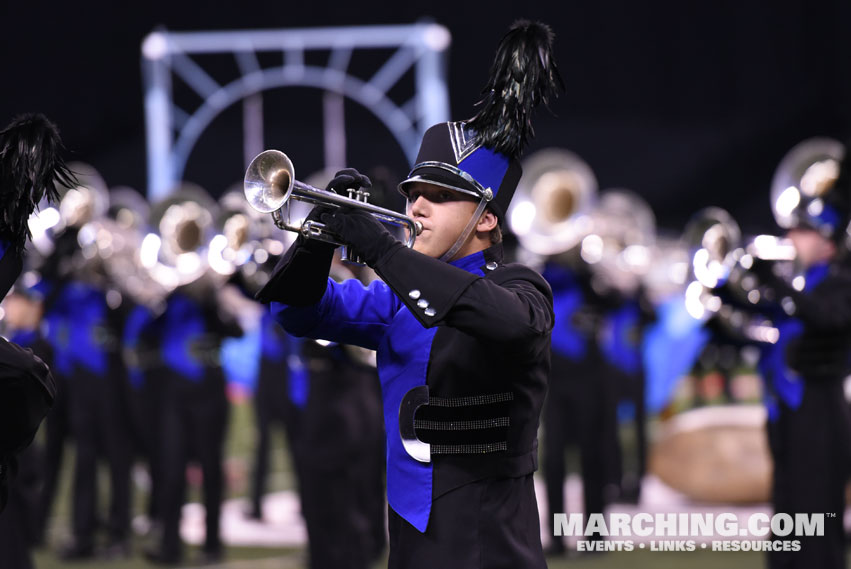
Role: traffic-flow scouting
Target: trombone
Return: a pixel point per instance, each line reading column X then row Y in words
column 270, row 184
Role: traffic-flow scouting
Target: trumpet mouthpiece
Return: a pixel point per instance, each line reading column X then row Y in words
column 418, row 226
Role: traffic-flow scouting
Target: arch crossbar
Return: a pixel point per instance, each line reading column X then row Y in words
column 173, row 131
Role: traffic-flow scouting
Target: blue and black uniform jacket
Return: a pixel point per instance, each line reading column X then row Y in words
column 822, row 307
column 476, row 332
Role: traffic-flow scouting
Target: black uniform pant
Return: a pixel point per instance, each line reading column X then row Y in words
column 581, row 409
column 631, row 389
column 146, row 408
column 489, row 524
column 810, row 446
column 14, row 543
column 100, row 426
column 340, row 464
column 18, row 523
column 272, row 406
column 194, row 426
column 57, row 432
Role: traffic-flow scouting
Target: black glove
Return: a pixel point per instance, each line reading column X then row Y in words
column 301, row 276
column 367, row 237
column 820, row 355
column 362, row 232
column 348, row 178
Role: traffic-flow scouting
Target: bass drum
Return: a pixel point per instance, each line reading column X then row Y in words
column 715, row 454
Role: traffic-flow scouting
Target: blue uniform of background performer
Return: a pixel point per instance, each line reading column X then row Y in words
column 329, row 404
column 146, row 377
column 621, row 345
column 280, row 397
column 340, row 453
column 58, row 422
column 87, row 334
column 809, row 423
column 581, row 399
column 194, row 411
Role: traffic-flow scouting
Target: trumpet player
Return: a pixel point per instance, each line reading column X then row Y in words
column 462, row 338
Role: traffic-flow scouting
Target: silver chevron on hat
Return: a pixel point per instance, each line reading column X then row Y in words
column 464, row 141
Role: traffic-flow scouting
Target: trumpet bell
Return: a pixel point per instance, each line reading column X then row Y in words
column 269, row 181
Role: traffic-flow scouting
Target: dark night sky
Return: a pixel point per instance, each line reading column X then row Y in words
column 689, row 105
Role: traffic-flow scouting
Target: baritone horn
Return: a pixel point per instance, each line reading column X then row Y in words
column 550, row 210
column 270, row 185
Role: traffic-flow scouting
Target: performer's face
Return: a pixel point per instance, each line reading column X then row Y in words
column 811, row 246
column 443, row 212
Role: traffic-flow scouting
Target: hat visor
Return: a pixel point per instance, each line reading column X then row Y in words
column 438, row 177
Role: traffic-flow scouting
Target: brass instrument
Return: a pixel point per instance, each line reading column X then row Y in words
column 87, row 201
column 111, row 245
column 182, row 227
column 557, row 213
column 550, row 210
column 270, row 185
column 619, row 243
column 721, row 257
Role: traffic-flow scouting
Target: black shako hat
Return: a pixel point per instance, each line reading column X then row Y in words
column 481, row 156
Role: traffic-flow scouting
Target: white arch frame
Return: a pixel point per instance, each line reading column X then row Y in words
column 173, row 132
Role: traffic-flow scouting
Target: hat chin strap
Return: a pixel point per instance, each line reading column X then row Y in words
column 483, row 202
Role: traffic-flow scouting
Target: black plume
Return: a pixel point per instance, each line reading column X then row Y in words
column 31, row 165
column 523, row 75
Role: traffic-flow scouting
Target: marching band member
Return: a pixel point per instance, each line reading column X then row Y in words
column 809, row 424
column 30, row 167
column 462, row 339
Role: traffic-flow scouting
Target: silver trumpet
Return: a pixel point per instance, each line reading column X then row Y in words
column 270, row 185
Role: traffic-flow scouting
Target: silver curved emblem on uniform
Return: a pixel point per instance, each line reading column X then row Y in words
column 412, row 401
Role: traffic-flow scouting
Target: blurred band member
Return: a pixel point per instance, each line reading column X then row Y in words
column 809, row 424
column 195, row 411
column 30, row 167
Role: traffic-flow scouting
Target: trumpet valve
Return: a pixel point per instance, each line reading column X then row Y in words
column 358, row 195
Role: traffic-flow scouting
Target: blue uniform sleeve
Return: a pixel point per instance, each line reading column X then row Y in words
column 348, row 313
